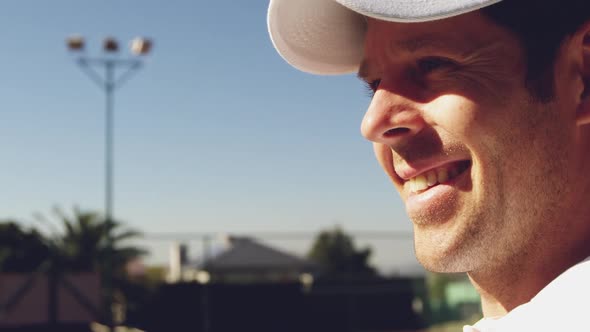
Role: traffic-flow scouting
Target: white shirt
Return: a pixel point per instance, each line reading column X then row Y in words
column 561, row 306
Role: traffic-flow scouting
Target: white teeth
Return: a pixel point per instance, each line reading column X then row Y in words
column 442, row 175
column 431, row 178
column 420, row 183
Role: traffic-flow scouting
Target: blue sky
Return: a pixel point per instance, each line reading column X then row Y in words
column 216, row 133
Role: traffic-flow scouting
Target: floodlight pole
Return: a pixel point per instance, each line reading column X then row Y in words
column 109, row 87
column 109, row 83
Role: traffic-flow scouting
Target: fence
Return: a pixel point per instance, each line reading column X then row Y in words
column 386, row 305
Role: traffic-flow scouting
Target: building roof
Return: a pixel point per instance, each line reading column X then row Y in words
column 245, row 253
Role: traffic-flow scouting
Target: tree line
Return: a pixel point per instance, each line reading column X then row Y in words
column 81, row 244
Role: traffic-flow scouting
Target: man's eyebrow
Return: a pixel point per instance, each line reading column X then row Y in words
column 424, row 42
column 404, row 46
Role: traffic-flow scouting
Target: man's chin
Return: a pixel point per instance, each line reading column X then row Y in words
column 438, row 256
column 440, row 265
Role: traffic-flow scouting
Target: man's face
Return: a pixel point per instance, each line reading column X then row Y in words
column 484, row 170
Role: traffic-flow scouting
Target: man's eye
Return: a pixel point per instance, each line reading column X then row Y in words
column 430, row 64
column 372, row 87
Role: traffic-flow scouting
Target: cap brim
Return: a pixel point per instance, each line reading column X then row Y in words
column 326, row 36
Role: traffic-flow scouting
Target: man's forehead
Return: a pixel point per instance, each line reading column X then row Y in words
column 458, row 32
column 427, row 41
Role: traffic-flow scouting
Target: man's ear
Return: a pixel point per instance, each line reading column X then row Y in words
column 583, row 110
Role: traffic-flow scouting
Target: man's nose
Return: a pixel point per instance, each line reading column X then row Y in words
column 391, row 119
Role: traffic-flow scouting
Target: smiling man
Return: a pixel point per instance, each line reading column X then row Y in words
column 479, row 117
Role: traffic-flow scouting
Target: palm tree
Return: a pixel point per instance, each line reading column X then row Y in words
column 21, row 250
column 88, row 242
column 84, row 243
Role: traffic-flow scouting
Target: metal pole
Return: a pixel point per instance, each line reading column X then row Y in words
column 206, row 249
column 205, row 307
column 109, row 121
column 109, row 83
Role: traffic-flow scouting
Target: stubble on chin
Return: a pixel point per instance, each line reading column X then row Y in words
column 455, row 247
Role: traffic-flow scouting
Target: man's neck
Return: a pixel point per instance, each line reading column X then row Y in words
column 502, row 292
column 503, row 289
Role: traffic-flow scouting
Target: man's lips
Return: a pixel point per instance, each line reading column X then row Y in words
column 441, row 202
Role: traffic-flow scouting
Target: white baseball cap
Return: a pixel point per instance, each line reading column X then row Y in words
column 326, row 36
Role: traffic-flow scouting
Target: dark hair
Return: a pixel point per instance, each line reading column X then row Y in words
column 541, row 26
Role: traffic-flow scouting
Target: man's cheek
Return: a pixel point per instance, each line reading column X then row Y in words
column 384, row 157
column 453, row 113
